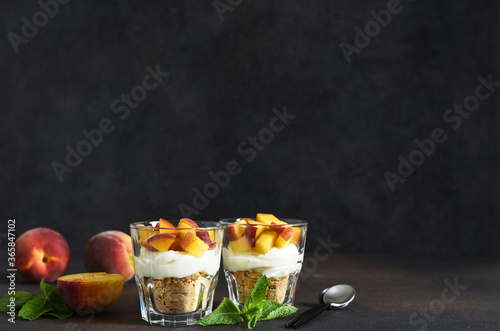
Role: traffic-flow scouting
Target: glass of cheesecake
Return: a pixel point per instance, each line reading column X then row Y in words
column 264, row 245
column 176, row 266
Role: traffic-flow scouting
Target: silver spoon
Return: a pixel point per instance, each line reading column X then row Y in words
column 335, row 297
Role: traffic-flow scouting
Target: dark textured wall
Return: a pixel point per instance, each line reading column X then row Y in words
column 327, row 166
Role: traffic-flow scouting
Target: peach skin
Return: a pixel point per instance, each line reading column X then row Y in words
column 41, row 253
column 111, row 252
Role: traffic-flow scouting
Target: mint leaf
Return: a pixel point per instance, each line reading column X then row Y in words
column 267, row 307
column 255, row 312
column 259, row 293
column 272, row 310
column 35, row 308
column 253, row 304
column 21, row 297
column 256, row 308
column 53, row 296
column 60, row 314
column 253, row 321
column 226, row 313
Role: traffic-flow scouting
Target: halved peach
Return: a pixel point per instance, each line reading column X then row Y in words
column 189, row 227
column 194, row 245
column 162, row 242
column 166, row 227
column 90, row 292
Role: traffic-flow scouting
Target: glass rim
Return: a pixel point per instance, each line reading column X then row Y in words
column 296, row 222
column 214, row 225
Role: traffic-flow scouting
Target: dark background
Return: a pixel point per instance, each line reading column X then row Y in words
column 327, row 166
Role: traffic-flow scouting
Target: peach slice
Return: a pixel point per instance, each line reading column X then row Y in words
column 235, row 231
column 244, row 219
column 144, row 234
column 241, row 245
column 90, row 292
column 268, row 219
column 147, row 245
column 266, row 241
column 176, row 245
column 211, row 233
column 278, row 228
column 166, row 227
column 254, row 229
column 186, row 223
column 162, row 242
column 296, row 236
column 194, row 245
column 205, row 236
column 284, row 237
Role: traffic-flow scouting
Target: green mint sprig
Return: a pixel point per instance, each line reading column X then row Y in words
column 256, row 308
column 49, row 302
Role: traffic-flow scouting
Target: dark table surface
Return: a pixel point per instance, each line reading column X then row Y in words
column 392, row 293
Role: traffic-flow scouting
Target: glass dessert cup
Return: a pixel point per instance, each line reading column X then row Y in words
column 251, row 250
column 176, row 269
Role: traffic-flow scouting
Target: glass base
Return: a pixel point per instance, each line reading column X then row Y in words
column 160, row 319
column 241, row 283
column 159, row 307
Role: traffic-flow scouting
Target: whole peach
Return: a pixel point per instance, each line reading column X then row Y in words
column 111, row 252
column 41, row 253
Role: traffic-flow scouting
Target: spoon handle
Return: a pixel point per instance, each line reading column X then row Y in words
column 307, row 316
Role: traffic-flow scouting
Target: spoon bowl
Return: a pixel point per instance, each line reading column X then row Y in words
column 335, row 297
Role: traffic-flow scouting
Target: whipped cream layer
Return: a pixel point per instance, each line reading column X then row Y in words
column 277, row 262
column 174, row 264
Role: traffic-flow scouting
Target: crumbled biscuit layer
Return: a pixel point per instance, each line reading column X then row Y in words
column 246, row 280
column 180, row 295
